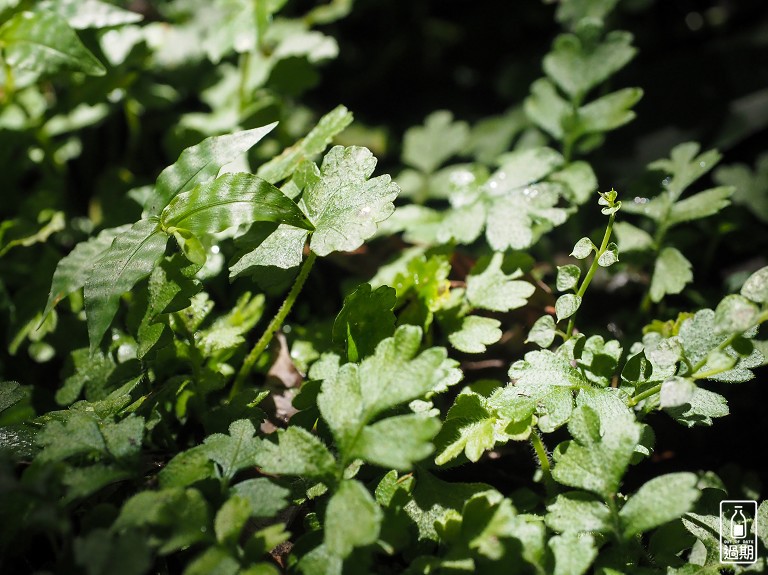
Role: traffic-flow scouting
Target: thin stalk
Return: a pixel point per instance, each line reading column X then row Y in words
column 541, row 453
column 592, row 270
column 275, row 324
column 10, row 83
column 245, row 69
column 645, row 395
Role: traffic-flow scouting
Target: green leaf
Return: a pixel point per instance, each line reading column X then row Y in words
column 676, row 392
column 475, row 334
column 567, row 277
column 131, row 257
column 578, row 511
column 735, row 314
column 264, row 497
column 580, row 180
column 542, row 332
column 364, row 320
column 610, row 256
column 670, row 274
column 235, row 451
column 298, row 452
column 176, row 517
column 573, row 553
column 311, row 145
column 596, row 464
column 186, row 468
column 631, row 238
column 495, row 290
column 393, row 375
column 608, row 112
column 751, row 186
column 685, row 166
column 583, row 248
column 44, row 42
column 104, row 552
column 578, row 67
column 344, row 205
column 191, row 247
column 546, row 108
column 73, row 269
column 215, row 560
column 428, row 147
column 700, row 205
column 397, row 442
column 352, row 519
column 200, row 163
column 567, row 305
column 524, row 167
column 282, row 249
column 228, row 201
column 10, row 394
column 756, row 286
column 700, row 409
column 230, row 520
column 658, row 501
column 84, row 14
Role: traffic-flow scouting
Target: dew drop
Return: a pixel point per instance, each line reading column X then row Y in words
column 665, row 181
column 702, row 164
column 639, row 200
column 215, row 249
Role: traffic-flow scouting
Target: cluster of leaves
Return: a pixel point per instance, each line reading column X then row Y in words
column 334, row 439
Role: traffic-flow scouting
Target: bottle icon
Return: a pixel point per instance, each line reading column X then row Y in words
column 738, row 524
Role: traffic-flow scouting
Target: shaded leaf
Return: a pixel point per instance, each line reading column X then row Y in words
column 131, row 257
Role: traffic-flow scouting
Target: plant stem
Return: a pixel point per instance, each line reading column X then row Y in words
column 591, row 272
column 645, row 395
column 274, row 325
column 541, row 453
column 245, row 68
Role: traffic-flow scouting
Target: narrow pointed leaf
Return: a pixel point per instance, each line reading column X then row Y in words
column 131, row 257
column 44, row 42
column 314, row 143
column 73, row 269
column 201, row 163
column 228, row 201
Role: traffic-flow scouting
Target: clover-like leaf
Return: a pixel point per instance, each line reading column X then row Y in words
column 235, row 451
column 297, row 452
column 393, row 375
column 567, row 305
column 596, row 462
column 567, row 277
column 427, row 147
column 670, row 274
column 583, row 248
column 658, row 501
column 495, row 290
column 577, row 67
column 685, row 166
column 543, row 331
column 344, row 205
column 756, row 286
column 475, row 334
